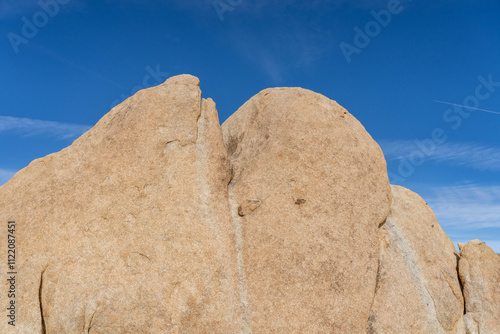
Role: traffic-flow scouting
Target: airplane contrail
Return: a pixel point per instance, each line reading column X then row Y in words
column 459, row 105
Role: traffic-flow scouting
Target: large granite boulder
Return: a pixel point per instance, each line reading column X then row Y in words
column 128, row 230
column 310, row 188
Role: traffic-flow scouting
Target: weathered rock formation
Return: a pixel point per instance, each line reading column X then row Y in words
column 129, row 230
column 418, row 290
column 159, row 220
column 309, row 251
column 479, row 270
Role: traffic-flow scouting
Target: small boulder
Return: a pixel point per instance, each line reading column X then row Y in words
column 418, row 290
column 479, row 269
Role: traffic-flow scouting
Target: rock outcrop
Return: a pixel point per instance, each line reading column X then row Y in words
column 479, row 268
column 128, row 230
column 418, row 290
column 159, row 220
column 308, row 252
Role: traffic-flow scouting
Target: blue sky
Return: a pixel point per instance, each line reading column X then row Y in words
column 64, row 65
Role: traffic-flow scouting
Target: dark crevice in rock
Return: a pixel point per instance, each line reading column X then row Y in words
column 40, row 288
column 460, row 281
column 232, row 146
column 300, row 201
column 231, row 175
column 90, row 323
column 371, row 318
column 199, row 119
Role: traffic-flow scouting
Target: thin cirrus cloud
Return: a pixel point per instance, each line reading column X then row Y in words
column 466, row 207
column 267, row 54
column 470, row 155
column 27, row 127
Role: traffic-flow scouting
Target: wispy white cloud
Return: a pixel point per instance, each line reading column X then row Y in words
column 270, row 65
column 46, row 51
column 28, row 127
column 5, row 175
column 466, row 207
column 287, row 50
column 471, row 155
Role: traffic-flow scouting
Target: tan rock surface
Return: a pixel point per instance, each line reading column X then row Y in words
column 479, row 269
column 128, row 230
column 418, row 290
column 159, row 221
column 308, row 251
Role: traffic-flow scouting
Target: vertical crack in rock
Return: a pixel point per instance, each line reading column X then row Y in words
column 199, row 119
column 40, row 288
column 371, row 317
column 203, row 152
column 214, row 174
column 459, row 280
column 88, row 326
column 236, row 221
column 91, row 322
column 241, row 265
